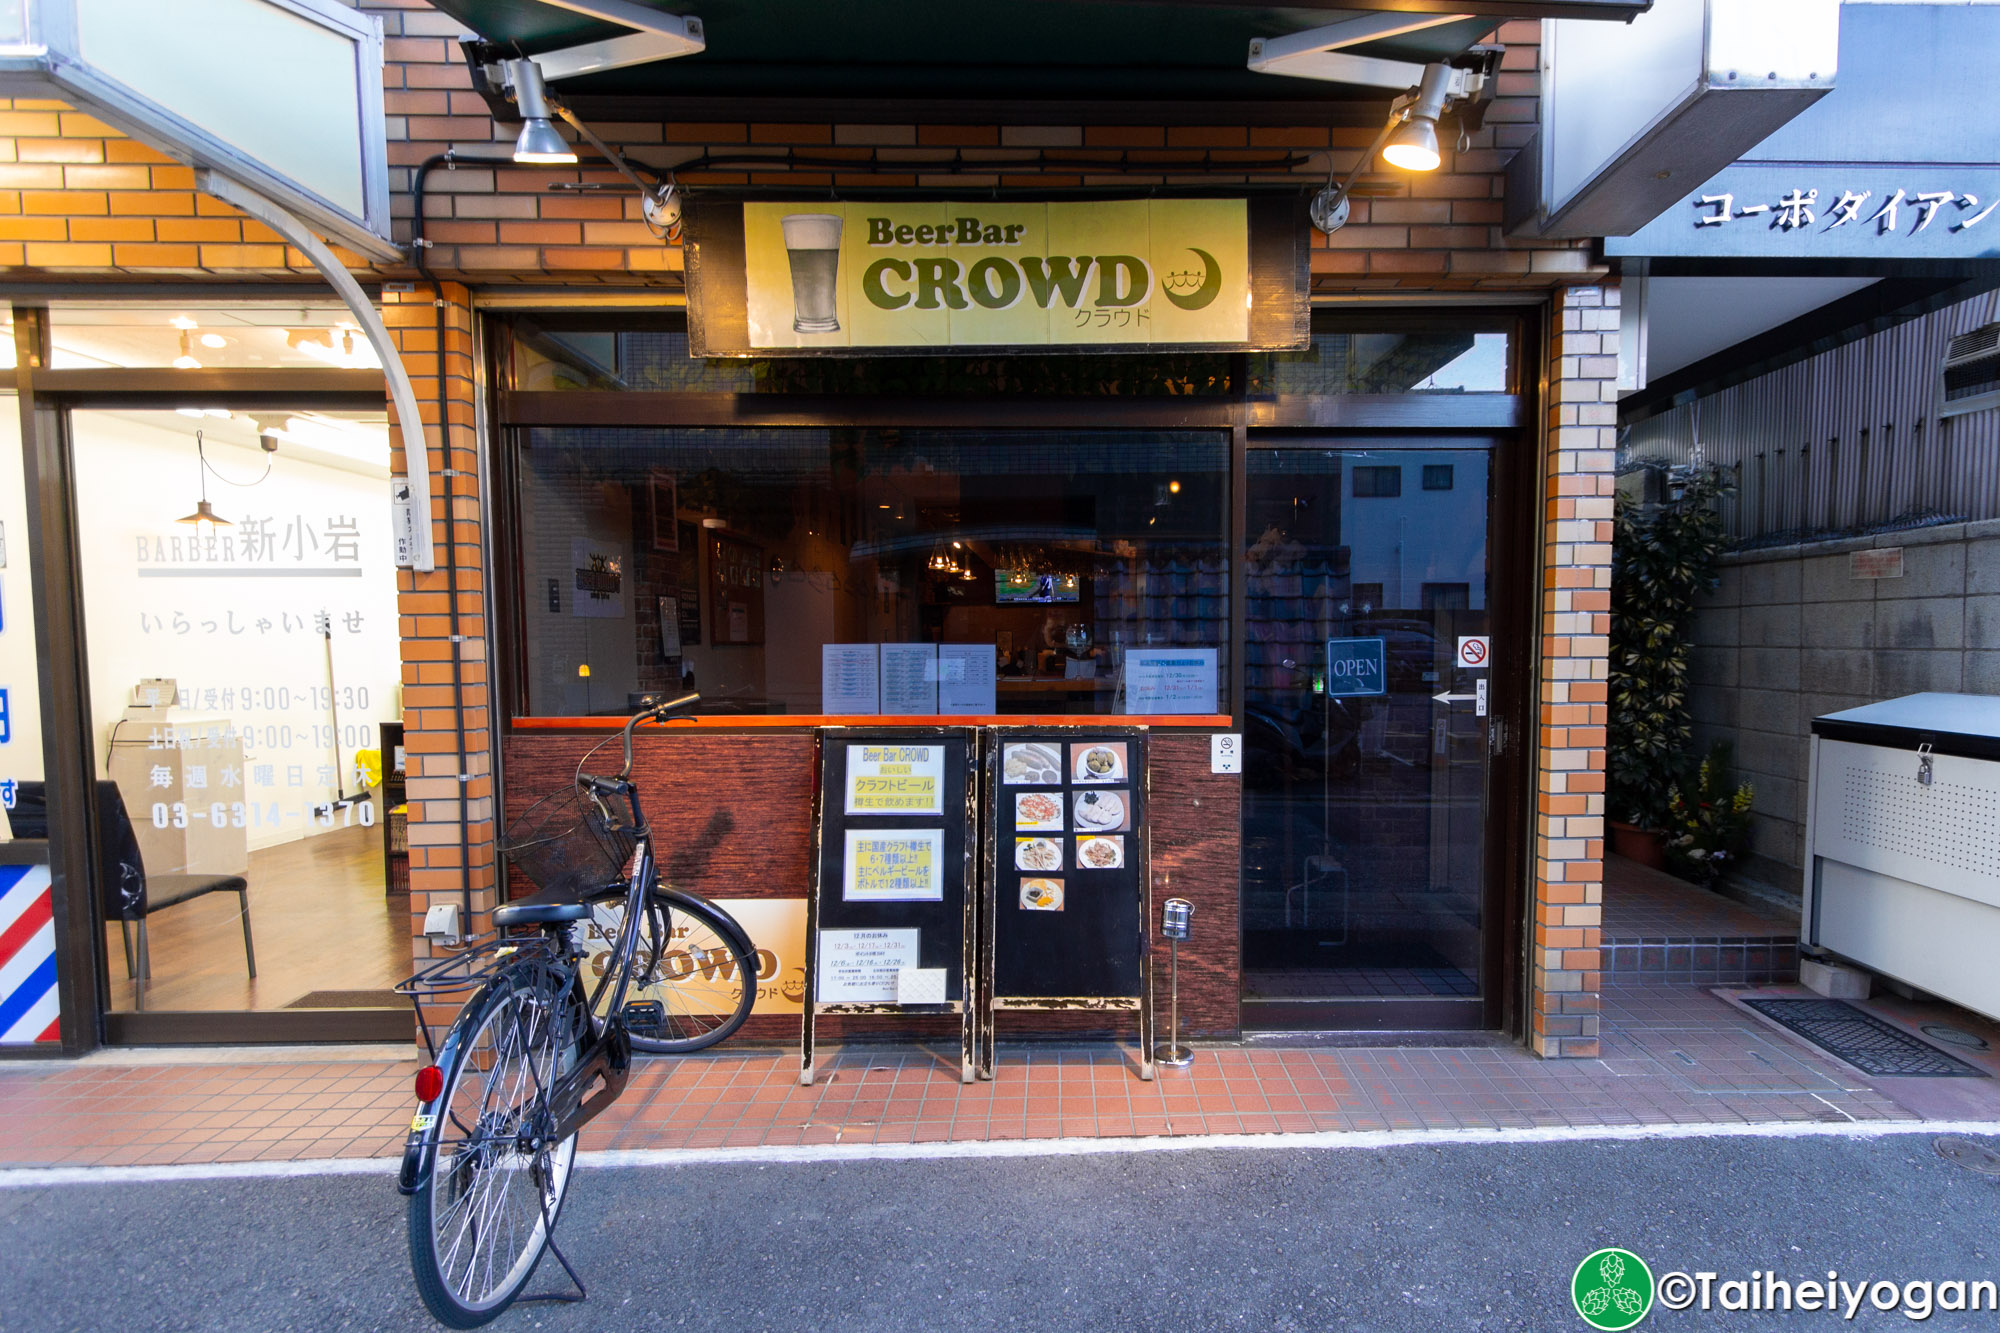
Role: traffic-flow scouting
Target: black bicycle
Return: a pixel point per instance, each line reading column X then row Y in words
column 600, row 961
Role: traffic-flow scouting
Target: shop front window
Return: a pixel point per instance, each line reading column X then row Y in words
column 239, row 602
column 307, row 335
column 896, row 572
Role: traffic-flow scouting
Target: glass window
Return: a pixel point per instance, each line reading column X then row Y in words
column 1378, row 482
column 1437, row 476
column 240, row 608
column 306, row 335
column 894, row 571
column 1427, row 361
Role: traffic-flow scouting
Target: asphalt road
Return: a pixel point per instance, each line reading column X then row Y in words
column 1410, row 1237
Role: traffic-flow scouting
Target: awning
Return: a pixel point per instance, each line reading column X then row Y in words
column 822, row 59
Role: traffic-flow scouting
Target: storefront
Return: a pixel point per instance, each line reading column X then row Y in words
column 1361, row 533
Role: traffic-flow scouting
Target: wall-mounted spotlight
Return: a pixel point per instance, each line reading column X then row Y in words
column 538, row 144
column 1410, row 138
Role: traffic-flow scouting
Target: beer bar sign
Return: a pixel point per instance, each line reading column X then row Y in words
column 850, row 277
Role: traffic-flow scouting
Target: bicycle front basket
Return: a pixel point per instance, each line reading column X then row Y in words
column 565, row 846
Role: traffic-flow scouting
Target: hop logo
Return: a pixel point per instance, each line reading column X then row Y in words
column 1612, row 1289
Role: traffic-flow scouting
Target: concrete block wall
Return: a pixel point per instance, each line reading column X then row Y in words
column 1792, row 633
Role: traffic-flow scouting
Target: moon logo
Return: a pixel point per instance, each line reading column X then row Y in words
column 1211, row 284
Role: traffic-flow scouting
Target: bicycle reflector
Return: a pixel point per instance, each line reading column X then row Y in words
column 430, row 1082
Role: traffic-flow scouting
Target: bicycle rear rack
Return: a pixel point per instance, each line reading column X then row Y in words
column 452, row 979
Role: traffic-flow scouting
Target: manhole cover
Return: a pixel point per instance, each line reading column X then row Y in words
column 1972, row 1156
column 1952, row 1036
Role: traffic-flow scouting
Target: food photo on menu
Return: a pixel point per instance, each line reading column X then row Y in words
column 1100, row 853
column 1102, row 811
column 1042, row 895
column 1040, row 812
column 1102, row 761
column 1038, row 854
column 1031, row 765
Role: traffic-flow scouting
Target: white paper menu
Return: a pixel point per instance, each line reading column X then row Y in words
column 967, row 680
column 849, row 680
column 909, row 679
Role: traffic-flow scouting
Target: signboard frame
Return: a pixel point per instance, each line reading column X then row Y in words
column 954, row 916
column 1279, row 257
column 1004, row 917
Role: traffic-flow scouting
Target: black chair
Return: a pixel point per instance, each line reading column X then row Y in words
column 129, row 893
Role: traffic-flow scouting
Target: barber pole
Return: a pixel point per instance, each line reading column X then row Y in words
column 28, row 1008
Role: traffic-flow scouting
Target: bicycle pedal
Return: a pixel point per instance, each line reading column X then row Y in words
column 647, row 1018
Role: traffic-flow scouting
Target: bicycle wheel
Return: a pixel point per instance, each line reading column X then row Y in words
column 494, row 1178
column 702, row 979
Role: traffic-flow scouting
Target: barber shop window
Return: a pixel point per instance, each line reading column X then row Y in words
column 895, row 572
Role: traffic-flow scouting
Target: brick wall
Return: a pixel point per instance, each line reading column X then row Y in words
column 1568, row 885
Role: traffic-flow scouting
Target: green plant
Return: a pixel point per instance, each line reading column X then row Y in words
column 1708, row 818
column 1663, row 558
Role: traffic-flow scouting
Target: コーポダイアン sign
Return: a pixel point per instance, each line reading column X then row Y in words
column 861, row 278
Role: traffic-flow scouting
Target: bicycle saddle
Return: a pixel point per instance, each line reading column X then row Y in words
column 534, row 910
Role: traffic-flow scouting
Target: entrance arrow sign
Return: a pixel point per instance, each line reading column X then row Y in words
column 1454, row 698
column 1478, row 696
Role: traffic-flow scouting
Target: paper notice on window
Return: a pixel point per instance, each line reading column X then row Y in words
column 895, row 779
column 863, row 966
column 894, row 866
column 849, row 679
column 909, row 679
column 966, row 678
column 1169, row 680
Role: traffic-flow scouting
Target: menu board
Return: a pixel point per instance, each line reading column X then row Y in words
column 1068, row 865
column 892, row 869
column 966, row 678
column 848, row 679
column 909, row 679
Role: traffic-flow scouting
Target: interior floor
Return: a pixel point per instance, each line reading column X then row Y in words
column 319, row 917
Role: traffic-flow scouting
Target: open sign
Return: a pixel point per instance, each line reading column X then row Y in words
column 1356, row 666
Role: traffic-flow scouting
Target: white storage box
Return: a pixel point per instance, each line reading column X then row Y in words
column 1903, row 843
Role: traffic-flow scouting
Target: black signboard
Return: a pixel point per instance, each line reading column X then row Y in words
column 890, row 924
column 1067, row 864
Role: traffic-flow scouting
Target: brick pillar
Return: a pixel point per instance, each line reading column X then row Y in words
column 1574, row 707
column 438, row 720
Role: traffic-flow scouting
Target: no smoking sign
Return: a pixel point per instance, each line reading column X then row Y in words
column 1473, row 650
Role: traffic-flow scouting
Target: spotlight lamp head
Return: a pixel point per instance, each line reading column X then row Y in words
column 1413, row 141
column 538, row 143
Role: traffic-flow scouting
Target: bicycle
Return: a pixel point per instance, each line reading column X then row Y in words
column 537, row 1051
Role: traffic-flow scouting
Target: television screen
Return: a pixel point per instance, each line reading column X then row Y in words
column 1020, row 585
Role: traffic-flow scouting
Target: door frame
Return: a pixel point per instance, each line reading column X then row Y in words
column 1512, row 542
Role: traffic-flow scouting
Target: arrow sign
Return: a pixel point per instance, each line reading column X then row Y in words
column 1454, row 698
column 1478, row 697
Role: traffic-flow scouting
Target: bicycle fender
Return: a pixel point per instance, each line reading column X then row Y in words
column 736, row 933
column 424, row 1124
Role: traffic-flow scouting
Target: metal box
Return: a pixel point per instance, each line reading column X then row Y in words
column 1903, row 843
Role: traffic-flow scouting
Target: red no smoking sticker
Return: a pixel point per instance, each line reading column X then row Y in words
column 1472, row 650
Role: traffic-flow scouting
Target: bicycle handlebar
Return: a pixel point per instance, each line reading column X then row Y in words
column 657, row 713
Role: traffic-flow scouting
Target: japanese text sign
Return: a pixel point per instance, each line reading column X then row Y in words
column 895, row 779
column 894, row 865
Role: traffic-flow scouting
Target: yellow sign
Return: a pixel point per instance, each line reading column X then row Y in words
column 899, row 865
column 700, row 982
column 993, row 273
column 895, row 779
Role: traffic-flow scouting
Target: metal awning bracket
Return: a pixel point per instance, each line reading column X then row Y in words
column 657, row 36
column 1320, row 53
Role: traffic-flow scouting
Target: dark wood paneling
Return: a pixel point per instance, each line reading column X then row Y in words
column 1197, row 823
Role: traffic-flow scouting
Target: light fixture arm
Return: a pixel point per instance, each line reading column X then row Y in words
column 661, row 200
column 1329, row 207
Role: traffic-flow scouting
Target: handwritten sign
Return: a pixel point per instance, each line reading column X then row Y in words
column 895, row 780
column 894, row 866
column 862, row 966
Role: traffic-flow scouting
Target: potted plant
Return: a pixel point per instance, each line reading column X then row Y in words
column 1663, row 556
column 1708, row 819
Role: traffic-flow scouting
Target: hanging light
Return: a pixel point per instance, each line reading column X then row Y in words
column 203, row 518
column 538, row 142
column 187, row 360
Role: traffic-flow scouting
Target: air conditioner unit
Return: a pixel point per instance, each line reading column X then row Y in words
column 1970, row 378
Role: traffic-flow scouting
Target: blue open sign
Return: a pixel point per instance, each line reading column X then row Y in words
column 1356, row 666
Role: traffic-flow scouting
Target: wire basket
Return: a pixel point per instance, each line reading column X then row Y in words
column 565, row 846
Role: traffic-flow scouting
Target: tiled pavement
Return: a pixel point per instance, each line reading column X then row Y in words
column 1671, row 1056
column 1663, row 931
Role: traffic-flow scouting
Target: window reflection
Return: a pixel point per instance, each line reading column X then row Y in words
column 767, row 568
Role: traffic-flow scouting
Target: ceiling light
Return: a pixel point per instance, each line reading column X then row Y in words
column 538, row 142
column 183, row 323
column 203, row 518
column 214, row 340
column 186, row 360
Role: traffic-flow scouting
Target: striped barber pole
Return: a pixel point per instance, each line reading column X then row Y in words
column 28, row 1010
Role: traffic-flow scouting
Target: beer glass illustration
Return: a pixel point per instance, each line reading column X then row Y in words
column 812, row 241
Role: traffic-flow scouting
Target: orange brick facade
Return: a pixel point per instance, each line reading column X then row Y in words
column 79, row 201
